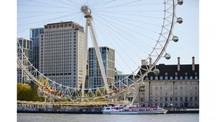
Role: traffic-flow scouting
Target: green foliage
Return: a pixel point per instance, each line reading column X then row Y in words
column 24, row 92
column 35, row 96
column 27, row 93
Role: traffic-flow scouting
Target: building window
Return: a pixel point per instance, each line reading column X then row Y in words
column 166, row 77
column 156, row 77
column 161, row 104
column 195, row 98
column 191, row 98
column 156, row 99
column 165, row 98
column 161, row 78
column 151, row 77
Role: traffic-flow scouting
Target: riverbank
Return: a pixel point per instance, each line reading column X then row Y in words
column 83, row 109
column 99, row 112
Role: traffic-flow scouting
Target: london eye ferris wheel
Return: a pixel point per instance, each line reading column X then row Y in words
column 138, row 30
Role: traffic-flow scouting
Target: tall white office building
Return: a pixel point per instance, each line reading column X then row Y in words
column 62, row 53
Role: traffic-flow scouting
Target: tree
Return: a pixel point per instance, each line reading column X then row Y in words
column 28, row 93
column 35, row 96
column 24, row 92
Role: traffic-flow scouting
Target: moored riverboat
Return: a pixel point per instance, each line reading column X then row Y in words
column 133, row 110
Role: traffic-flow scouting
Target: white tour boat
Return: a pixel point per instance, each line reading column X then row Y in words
column 133, row 110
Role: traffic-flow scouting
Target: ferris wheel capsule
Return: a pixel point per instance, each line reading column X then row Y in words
column 156, row 71
column 180, row 2
column 167, row 56
column 175, row 38
column 179, row 20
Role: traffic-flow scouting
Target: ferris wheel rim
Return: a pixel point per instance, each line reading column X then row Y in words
column 154, row 62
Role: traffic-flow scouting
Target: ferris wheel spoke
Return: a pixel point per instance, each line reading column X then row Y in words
column 116, row 46
column 125, row 22
column 128, row 4
column 40, row 6
column 53, row 5
column 66, row 3
column 35, row 16
column 121, row 32
column 129, row 21
column 31, row 25
column 105, row 2
column 114, row 32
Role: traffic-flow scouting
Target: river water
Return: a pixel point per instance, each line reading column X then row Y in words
column 32, row 117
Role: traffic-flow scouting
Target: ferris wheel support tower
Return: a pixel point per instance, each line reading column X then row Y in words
column 87, row 12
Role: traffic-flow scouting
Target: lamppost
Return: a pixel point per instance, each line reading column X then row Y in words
column 173, row 88
column 149, row 92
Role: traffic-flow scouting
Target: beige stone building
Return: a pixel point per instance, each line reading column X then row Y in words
column 62, row 53
column 176, row 86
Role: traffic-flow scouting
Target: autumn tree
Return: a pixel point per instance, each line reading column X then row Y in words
column 24, row 92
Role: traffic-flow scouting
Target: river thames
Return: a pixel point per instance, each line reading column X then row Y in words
column 32, row 117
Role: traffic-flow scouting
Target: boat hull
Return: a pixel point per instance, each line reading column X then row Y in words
column 135, row 112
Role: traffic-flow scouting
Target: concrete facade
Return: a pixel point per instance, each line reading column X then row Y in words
column 62, row 53
column 176, row 86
